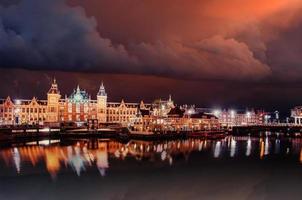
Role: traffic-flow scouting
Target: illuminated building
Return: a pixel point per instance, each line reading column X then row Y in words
column 168, row 117
column 296, row 114
column 230, row 118
column 78, row 107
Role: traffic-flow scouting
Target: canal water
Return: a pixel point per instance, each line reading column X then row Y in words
column 231, row 168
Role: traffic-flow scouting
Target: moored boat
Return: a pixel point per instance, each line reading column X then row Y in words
column 208, row 134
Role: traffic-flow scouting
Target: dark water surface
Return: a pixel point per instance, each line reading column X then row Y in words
column 233, row 168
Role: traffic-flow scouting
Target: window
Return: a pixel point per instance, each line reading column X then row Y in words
column 69, row 107
column 78, row 110
column 86, row 108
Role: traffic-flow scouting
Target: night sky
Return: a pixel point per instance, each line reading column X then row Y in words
column 213, row 53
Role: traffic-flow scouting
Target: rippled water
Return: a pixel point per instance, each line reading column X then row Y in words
column 232, row 168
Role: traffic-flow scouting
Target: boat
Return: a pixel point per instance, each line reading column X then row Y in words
column 218, row 134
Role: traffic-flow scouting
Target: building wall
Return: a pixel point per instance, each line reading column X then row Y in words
column 56, row 110
column 296, row 114
column 231, row 118
column 23, row 112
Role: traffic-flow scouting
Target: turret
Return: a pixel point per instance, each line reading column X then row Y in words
column 170, row 102
column 53, row 98
column 142, row 105
column 102, row 104
column 102, row 91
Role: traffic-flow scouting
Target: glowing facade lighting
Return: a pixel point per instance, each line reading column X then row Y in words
column 18, row 102
column 17, row 111
column 248, row 114
column 232, row 112
column 217, row 112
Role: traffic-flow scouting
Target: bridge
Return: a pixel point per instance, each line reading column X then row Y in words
column 290, row 129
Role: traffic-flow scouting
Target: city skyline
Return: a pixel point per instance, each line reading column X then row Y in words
column 150, row 99
column 238, row 58
column 82, row 108
column 130, row 88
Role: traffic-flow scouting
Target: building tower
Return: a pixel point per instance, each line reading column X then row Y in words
column 170, row 102
column 102, row 105
column 53, row 98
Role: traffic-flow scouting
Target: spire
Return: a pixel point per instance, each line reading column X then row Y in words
column 54, row 87
column 170, row 102
column 78, row 88
column 102, row 91
column 142, row 105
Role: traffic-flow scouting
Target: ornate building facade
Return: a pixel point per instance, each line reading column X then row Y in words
column 78, row 107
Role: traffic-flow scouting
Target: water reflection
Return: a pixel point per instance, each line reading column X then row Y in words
column 248, row 147
column 217, row 149
column 85, row 154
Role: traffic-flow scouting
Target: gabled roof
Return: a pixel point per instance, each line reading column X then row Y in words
column 203, row 116
column 176, row 111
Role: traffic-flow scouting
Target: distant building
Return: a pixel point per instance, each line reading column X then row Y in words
column 174, row 118
column 230, row 118
column 296, row 114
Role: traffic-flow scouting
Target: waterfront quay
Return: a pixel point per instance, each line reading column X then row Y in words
column 35, row 133
column 121, row 133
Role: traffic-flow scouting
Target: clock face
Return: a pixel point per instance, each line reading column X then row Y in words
column 52, row 100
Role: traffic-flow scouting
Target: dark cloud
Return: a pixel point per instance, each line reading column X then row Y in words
column 285, row 54
column 214, row 57
column 167, row 26
column 49, row 34
column 192, row 40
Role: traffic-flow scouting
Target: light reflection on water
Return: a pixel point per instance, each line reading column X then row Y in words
column 85, row 154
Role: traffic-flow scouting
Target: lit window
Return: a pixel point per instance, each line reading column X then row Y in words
column 69, row 107
column 77, row 108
